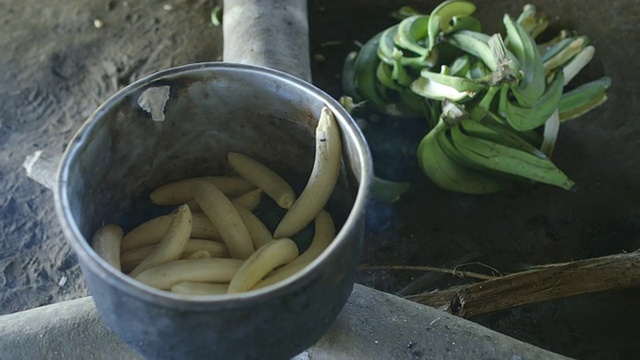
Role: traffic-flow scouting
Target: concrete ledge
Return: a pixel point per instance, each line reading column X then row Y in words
column 373, row 325
column 67, row 330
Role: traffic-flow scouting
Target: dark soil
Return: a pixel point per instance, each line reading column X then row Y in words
column 58, row 67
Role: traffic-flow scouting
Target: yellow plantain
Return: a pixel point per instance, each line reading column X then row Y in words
column 225, row 218
column 178, row 192
column 200, row 254
column 193, row 205
column 172, row 244
column 264, row 178
column 132, row 258
column 249, row 200
column 150, row 232
column 325, row 232
column 260, row 235
column 106, row 242
column 326, row 169
column 270, row 256
column 279, row 275
column 168, row 274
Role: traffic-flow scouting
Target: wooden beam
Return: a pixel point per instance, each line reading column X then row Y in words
column 538, row 284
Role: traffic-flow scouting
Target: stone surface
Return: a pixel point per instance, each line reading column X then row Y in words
column 373, row 325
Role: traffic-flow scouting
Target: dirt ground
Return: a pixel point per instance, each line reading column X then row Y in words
column 61, row 59
column 58, row 67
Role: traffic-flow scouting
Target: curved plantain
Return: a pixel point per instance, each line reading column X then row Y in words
column 213, row 270
column 524, row 118
column 322, row 181
column 172, row 244
column 494, row 156
column 412, row 33
column 177, row 192
column 106, row 242
column 224, row 216
column 450, row 175
column 270, row 256
column 325, row 232
column 264, row 178
column 584, row 98
column 441, row 16
column 130, row 259
column 152, row 231
column 532, row 85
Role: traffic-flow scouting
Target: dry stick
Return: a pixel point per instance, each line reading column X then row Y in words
column 477, row 263
column 453, row 272
column 540, row 283
column 429, row 280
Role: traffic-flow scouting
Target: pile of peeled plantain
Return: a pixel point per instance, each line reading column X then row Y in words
column 213, row 243
column 494, row 104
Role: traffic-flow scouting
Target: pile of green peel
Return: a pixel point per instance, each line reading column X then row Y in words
column 494, row 103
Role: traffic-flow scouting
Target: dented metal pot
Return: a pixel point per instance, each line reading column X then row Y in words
column 203, row 111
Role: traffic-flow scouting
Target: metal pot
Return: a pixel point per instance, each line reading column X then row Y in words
column 121, row 153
